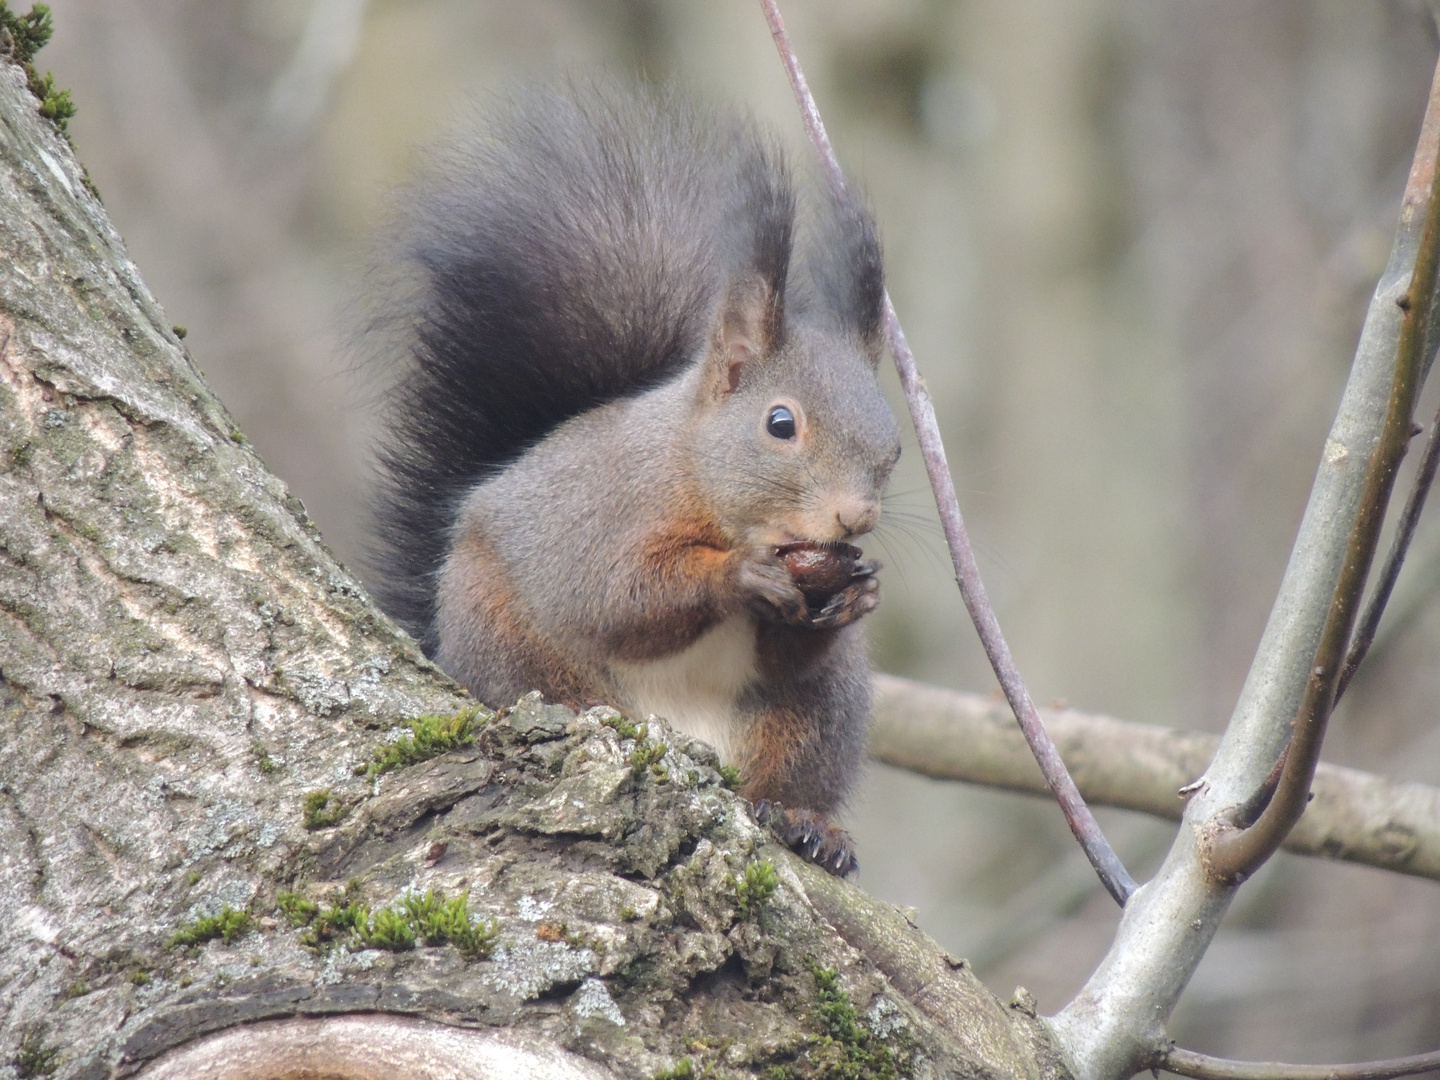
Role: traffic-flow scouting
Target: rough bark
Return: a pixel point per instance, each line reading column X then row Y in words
column 182, row 663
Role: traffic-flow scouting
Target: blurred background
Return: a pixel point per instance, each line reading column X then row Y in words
column 1131, row 242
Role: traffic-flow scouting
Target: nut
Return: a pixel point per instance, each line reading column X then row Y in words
column 819, row 570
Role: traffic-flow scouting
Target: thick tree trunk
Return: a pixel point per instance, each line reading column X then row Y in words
column 183, row 663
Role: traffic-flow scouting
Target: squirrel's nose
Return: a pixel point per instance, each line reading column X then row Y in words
column 857, row 516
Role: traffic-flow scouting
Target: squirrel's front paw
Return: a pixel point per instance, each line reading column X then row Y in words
column 860, row 597
column 771, row 591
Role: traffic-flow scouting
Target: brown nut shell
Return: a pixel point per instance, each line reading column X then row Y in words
column 819, row 570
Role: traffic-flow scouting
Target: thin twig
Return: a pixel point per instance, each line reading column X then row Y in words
column 967, row 575
column 1233, row 854
column 1204, row 1067
column 1404, row 533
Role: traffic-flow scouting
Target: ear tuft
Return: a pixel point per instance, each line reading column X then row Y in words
column 845, row 266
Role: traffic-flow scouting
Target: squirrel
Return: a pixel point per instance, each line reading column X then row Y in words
column 641, row 374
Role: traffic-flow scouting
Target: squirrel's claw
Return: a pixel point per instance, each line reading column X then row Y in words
column 867, row 569
column 859, row 598
column 812, row 836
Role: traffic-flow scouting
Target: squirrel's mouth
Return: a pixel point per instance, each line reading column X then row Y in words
column 838, row 547
column 816, row 535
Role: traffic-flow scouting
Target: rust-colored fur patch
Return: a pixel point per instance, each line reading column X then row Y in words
column 495, row 624
column 678, row 588
column 774, row 741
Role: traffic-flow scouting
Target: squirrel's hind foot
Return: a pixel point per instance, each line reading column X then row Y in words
column 812, row 836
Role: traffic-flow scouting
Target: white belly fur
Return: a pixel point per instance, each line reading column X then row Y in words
column 696, row 689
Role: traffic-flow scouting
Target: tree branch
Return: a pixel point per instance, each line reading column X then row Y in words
column 949, row 735
column 1399, row 547
column 1204, row 1067
column 1082, row 822
column 1233, row 854
column 1115, row 1025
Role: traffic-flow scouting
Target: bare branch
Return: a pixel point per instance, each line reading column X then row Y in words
column 1082, row 822
column 1404, row 533
column 1355, row 816
column 1204, row 1067
column 1231, row 853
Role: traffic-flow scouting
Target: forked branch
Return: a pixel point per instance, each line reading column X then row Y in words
column 967, row 574
column 1236, row 850
column 1115, row 1024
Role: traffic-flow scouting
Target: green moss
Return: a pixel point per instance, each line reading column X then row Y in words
column 427, row 917
column 321, row 810
column 335, row 924
column 228, row 925
column 386, row 929
column 730, row 776
column 263, row 760
column 846, row 1049
column 648, row 753
column 439, row 921
column 755, row 887
column 23, row 454
column 179, row 331
column 684, row 1069
column 833, row 1007
column 296, row 908
column 624, row 728
column 34, row 1058
column 430, row 736
column 79, row 988
column 140, row 977
column 324, row 924
column 56, row 105
column 192, row 878
column 21, row 37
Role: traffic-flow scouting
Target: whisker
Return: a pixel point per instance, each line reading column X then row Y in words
column 921, row 522
column 918, row 546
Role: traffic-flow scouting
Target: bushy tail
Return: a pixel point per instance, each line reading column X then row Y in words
column 569, row 255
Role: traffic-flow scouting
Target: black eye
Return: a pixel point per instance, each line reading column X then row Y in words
column 781, row 423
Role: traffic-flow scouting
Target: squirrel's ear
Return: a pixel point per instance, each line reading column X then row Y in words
column 748, row 327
